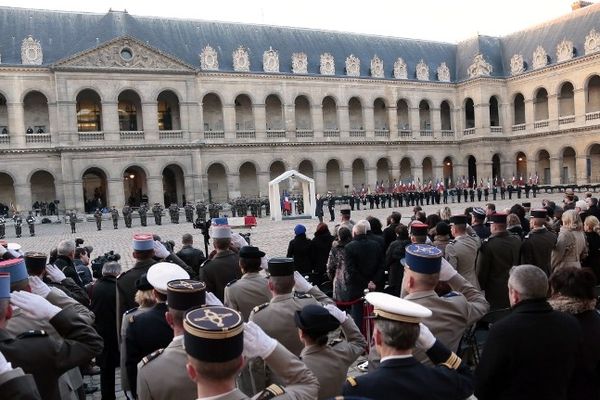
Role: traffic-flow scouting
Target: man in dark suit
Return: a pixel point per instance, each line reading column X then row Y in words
column 190, row 255
column 224, row 266
column 533, row 352
column 537, row 245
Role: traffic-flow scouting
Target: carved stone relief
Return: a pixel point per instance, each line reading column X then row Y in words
column 592, row 42
column 352, row 66
column 443, row 73
column 517, row 64
column 564, row 51
column 271, row 60
column 327, row 65
column 540, row 58
column 299, row 63
column 377, row 67
column 400, row 70
column 241, row 60
column 422, row 71
column 209, row 60
column 31, row 52
column 479, row 67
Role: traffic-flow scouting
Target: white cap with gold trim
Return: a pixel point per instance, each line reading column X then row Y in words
column 394, row 308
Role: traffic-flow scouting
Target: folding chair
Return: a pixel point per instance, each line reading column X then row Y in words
column 474, row 338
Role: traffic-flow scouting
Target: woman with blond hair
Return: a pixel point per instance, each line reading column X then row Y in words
column 445, row 214
column 591, row 228
column 571, row 246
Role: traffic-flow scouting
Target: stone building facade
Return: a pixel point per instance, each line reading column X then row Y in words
column 167, row 110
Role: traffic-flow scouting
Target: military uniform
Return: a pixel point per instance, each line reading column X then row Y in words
column 157, row 212
column 189, row 212
column 128, row 316
column 127, row 216
column 249, row 291
column 143, row 212
column 2, row 227
column 31, row 223
column 536, row 248
column 461, row 253
column 73, row 221
column 174, row 213
column 114, row 213
column 18, row 221
column 98, row 218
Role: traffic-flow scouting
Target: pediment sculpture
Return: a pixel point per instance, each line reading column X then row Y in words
column 479, row 67
column 271, row 60
column 377, row 67
column 400, row 70
column 31, row 51
column 209, row 60
column 540, row 58
column 422, row 71
column 592, row 42
column 299, row 63
column 443, row 73
column 517, row 64
column 564, row 51
column 352, row 65
column 241, row 60
column 327, row 64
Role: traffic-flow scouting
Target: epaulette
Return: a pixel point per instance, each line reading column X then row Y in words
column 232, row 282
column 451, row 294
column 123, row 273
column 151, row 356
column 130, row 310
column 452, row 241
column 271, row 392
column 260, row 307
column 32, row 334
column 302, row 295
column 351, row 381
column 336, row 341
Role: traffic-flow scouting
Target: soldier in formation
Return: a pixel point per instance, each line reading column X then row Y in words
column 143, row 212
column 114, row 213
column 73, row 221
column 189, row 212
column 157, row 212
column 127, row 215
column 31, row 223
column 98, row 218
column 201, row 210
column 18, row 221
column 174, row 213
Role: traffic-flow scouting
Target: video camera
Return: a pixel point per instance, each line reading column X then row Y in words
column 98, row 262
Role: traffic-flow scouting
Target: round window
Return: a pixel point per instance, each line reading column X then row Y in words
column 126, row 54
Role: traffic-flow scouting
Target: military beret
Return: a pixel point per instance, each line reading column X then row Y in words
column 315, row 319
column 423, row 258
column 184, row 294
column 142, row 283
column 251, row 252
column 281, row 266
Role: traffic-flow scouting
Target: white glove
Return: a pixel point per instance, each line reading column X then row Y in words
column 338, row 314
column 160, row 250
column 38, row 286
column 447, row 271
column 426, row 338
column 33, row 305
column 256, row 342
column 4, row 365
column 14, row 253
column 302, row 285
column 212, row 300
column 2, row 250
column 55, row 274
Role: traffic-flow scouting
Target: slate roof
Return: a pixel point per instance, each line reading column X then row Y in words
column 63, row 34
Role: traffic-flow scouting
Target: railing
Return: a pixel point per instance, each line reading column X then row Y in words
column 592, row 115
column 518, row 127
column 170, row 134
column 468, row 131
column 384, row 133
column 357, row 133
column 426, row 133
column 4, row 139
column 214, row 134
column 37, row 138
column 331, row 133
column 90, row 136
column 495, row 129
column 245, row 134
column 404, row 133
column 304, row 133
column 131, row 135
column 447, row 133
column 276, row 133
column 541, row 124
column 566, row 120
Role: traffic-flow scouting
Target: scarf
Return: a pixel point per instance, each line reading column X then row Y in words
column 572, row 305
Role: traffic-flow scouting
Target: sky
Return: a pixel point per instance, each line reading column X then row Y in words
column 440, row 20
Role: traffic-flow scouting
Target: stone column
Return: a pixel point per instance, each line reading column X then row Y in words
column 581, row 169
column 289, row 119
column 316, row 113
column 529, row 115
column 506, row 119
column 346, row 175
column 77, row 185
column 393, row 121
column 116, row 192
column 196, row 173
column 579, row 99
column 260, row 120
column 482, row 119
column 63, row 130
column 369, row 121
column 553, row 112
column 344, row 121
column 436, row 122
column 110, row 120
column 155, row 189
column 68, row 177
column 233, row 185
column 228, row 123
column 16, row 124
column 484, row 171
column 555, row 170
column 150, row 121
column 23, row 196
column 321, row 181
column 415, row 122
column 371, row 174
column 263, row 183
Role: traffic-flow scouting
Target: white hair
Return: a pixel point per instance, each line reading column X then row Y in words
column 359, row 229
column 65, row 247
column 111, row 268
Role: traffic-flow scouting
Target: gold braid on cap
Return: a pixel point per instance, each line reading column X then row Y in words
column 396, row 317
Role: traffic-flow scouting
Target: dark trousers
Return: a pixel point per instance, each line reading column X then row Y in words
column 331, row 214
column 107, row 377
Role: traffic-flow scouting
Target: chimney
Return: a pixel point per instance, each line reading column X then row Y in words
column 576, row 5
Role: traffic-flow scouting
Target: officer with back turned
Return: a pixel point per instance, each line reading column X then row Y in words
column 31, row 223
column 157, row 212
column 143, row 212
column 73, row 221
column 98, row 218
column 127, row 215
column 174, row 213
column 114, row 213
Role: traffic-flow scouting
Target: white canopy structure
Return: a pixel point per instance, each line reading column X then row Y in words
column 308, row 194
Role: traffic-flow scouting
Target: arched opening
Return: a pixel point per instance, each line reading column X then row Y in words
column 540, row 105
column 403, row 115
column 380, row 114
column 329, row 107
column 521, row 166
column 593, row 172
column 89, row 111
column 7, row 192
column 446, row 116
column 248, row 180
column 212, row 113
column 334, row 178
column 168, row 111
column 472, row 170
column 217, row 183
column 427, row 166
column 424, row 116
column 383, row 171
column 4, row 129
column 543, row 166
column 274, row 113
column 244, row 117
column 405, row 170
column 592, row 98
column 95, row 189
column 494, row 111
column 496, row 169
column 469, row 113
column 355, row 114
column 359, row 177
column 35, row 112
column 569, row 169
column 448, row 171
column 173, row 185
column 566, row 100
column 42, row 187
column 135, row 186
column 302, row 113
column 130, row 111
column 519, row 109
column 306, row 168
column 277, row 168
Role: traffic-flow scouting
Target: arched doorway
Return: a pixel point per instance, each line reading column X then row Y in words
column 302, row 113
column 405, row 170
column 592, row 95
column 543, row 166
column 446, row 116
column 383, row 172
column 168, row 111
column 277, row 168
column 521, row 166
column 244, row 117
column 329, row 107
column 403, row 115
column 135, row 186
column 355, row 114
column 496, row 169
column 424, row 115
column 519, row 109
column 95, row 189
column 494, row 111
column 427, row 166
column 306, row 168
column 130, row 111
column 380, row 115
column 540, row 105
column 469, row 113
column 173, row 185
column 594, row 164
column 248, row 180
column 448, row 171
column 35, row 111
column 472, row 169
column 568, row 174
column 7, row 193
column 334, row 178
column 566, row 100
column 89, row 111
column 217, row 183
column 212, row 113
column 358, row 174
column 42, row 187
column 274, row 113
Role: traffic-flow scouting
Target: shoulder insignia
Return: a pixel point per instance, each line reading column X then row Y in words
column 271, row 392
column 260, row 307
column 336, row 341
column 131, row 310
column 131, row 319
column 452, row 241
column 302, row 295
column 32, row 334
column 451, row 294
column 151, row 356
column 351, row 381
column 232, row 282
